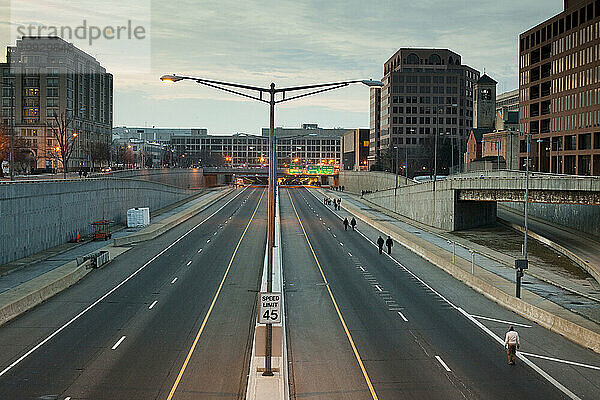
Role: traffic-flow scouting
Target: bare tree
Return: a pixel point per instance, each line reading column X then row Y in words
column 97, row 151
column 66, row 140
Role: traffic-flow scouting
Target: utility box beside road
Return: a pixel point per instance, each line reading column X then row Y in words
column 138, row 217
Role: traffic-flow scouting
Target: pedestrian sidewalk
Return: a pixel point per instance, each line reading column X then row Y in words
column 487, row 275
column 29, row 281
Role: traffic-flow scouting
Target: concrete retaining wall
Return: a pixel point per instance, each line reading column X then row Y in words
column 35, row 216
column 440, row 209
column 582, row 218
column 357, row 181
column 186, row 178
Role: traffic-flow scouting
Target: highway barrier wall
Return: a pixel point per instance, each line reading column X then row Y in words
column 35, row 216
column 357, row 181
column 186, row 178
column 582, row 218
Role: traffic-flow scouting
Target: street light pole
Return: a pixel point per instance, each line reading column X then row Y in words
column 12, row 130
column 396, row 188
column 272, row 91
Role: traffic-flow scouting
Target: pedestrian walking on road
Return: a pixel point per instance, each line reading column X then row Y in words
column 380, row 242
column 389, row 243
column 512, row 343
column 353, row 223
column 345, row 224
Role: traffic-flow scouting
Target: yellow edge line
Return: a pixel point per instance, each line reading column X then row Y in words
column 337, row 309
column 189, row 355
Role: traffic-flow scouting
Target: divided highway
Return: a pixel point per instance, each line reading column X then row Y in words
column 170, row 318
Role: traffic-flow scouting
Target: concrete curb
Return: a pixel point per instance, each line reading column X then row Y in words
column 163, row 226
column 574, row 257
column 31, row 293
column 274, row 387
column 443, row 259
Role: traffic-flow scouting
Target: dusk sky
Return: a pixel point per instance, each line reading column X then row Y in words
column 286, row 42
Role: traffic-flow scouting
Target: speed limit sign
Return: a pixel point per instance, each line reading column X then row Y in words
column 269, row 308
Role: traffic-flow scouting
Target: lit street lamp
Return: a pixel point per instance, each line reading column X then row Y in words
column 235, row 88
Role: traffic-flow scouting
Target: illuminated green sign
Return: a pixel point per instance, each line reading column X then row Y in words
column 295, row 170
column 327, row 170
column 312, row 170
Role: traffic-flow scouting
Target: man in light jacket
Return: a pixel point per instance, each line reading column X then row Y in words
column 512, row 343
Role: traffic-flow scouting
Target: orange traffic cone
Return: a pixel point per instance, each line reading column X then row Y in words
column 77, row 240
column 73, row 237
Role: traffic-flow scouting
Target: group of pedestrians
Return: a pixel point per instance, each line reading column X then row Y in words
column 336, row 203
column 352, row 223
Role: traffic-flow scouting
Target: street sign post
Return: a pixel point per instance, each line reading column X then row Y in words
column 269, row 308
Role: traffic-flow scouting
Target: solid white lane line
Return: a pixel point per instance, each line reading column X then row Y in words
column 379, row 288
column 174, row 280
column 111, row 291
column 561, row 361
column 118, row 342
column 402, row 316
column 152, row 305
column 199, row 250
column 188, row 263
column 522, row 357
column 443, row 363
column 501, row 321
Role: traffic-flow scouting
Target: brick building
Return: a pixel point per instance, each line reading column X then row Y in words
column 559, row 91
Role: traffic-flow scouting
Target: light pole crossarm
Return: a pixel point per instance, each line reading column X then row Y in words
column 322, row 85
column 232, row 91
column 310, row 93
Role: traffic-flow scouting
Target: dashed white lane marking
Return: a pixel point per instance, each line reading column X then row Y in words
column 443, row 363
column 67, row 398
column 501, row 321
column 341, row 244
column 214, row 233
column 328, row 229
column 118, row 342
column 174, row 280
column 152, row 305
column 402, row 316
column 561, row 361
column 350, row 254
column 379, row 288
column 362, row 269
column 208, row 241
column 334, row 235
column 199, row 251
column 188, row 263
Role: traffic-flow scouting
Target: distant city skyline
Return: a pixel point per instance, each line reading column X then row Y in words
column 288, row 43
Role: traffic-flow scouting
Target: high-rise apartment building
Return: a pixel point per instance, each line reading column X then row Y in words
column 559, row 91
column 44, row 77
column 426, row 92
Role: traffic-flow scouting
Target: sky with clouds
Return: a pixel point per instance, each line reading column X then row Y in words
column 285, row 41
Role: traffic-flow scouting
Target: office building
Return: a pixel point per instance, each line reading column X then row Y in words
column 305, row 147
column 53, row 79
column 355, row 148
column 426, row 92
column 559, row 91
column 508, row 101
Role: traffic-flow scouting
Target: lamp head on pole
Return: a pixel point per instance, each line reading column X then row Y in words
column 372, row 83
column 170, row 78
